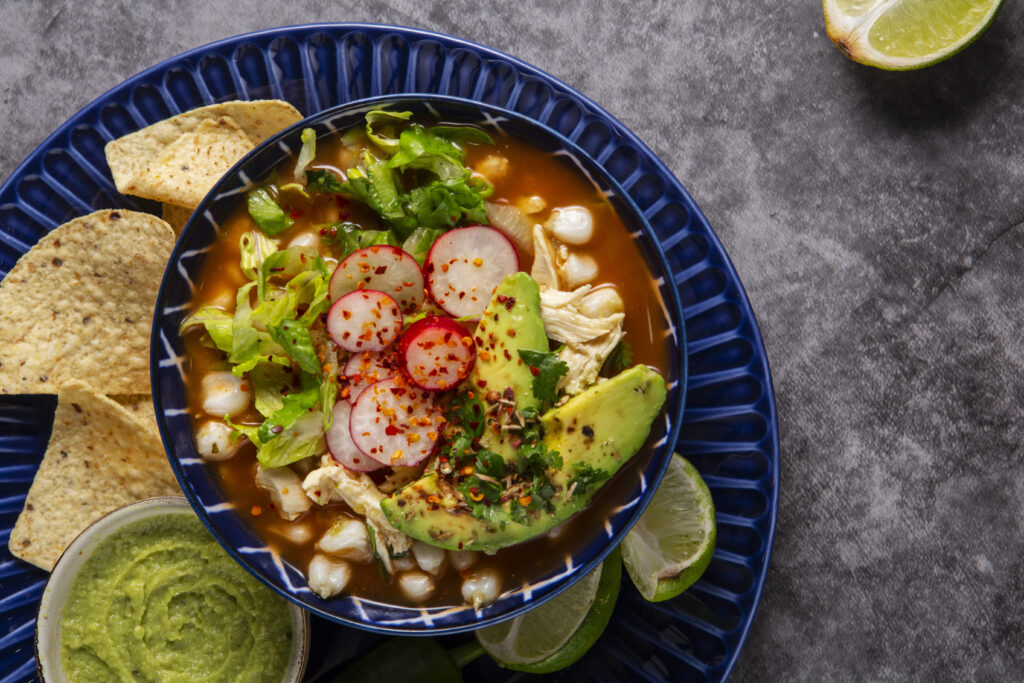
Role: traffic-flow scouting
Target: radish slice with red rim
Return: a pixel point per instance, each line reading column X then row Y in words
column 436, row 353
column 341, row 446
column 363, row 369
column 384, row 268
column 465, row 265
column 364, row 320
column 395, row 423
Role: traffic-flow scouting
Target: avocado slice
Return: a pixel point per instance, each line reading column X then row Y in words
column 595, row 432
column 510, row 322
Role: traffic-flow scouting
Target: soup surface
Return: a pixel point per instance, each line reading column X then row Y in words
column 534, row 187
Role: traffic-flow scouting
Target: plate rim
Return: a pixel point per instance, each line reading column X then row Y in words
column 34, row 159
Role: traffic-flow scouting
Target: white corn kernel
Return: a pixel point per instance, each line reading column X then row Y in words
column 571, row 224
column 224, row 394
column 213, row 441
column 480, row 588
column 285, row 489
column 579, row 270
column 404, row 563
column 347, row 538
column 429, row 558
column 328, row 577
column 602, row 302
column 462, row 559
column 417, row 586
column 306, row 239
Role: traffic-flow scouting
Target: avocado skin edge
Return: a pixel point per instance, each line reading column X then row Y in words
column 618, row 413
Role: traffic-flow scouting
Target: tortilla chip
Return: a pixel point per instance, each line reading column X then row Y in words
column 79, row 305
column 176, row 216
column 141, row 408
column 179, row 159
column 99, row 458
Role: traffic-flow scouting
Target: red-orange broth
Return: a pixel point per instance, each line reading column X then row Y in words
column 531, row 172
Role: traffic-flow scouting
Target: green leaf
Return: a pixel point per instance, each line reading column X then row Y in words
column 459, row 134
column 255, row 247
column 268, row 381
column 245, row 337
column 621, row 358
column 294, row 405
column 267, row 214
column 419, row 242
column 306, row 154
column 324, row 181
column 348, row 237
column 216, row 321
column 304, row 439
column 382, row 127
column 547, row 370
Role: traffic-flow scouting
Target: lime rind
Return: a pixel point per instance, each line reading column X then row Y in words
column 561, row 646
column 542, row 631
column 900, row 36
column 674, row 540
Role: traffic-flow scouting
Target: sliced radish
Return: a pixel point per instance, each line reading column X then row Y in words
column 384, row 268
column 365, row 320
column 341, row 446
column 436, row 353
column 363, row 369
column 465, row 265
column 395, row 423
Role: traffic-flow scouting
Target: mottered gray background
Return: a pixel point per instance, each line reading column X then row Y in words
column 877, row 222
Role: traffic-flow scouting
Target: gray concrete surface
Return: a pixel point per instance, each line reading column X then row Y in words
column 876, row 221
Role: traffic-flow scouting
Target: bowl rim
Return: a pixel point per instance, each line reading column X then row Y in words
column 673, row 310
column 63, row 574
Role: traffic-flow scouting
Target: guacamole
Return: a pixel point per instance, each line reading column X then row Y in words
column 160, row 600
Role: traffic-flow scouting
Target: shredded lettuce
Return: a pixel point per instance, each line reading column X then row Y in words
column 267, row 214
column 306, row 154
column 420, row 241
column 348, row 237
column 255, row 247
column 305, row 438
column 217, row 322
column 452, row 196
column 382, row 126
column 268, row 381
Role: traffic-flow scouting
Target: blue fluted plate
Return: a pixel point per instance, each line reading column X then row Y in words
column 730, row 431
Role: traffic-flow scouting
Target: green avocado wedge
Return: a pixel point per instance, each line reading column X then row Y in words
column 596, row 433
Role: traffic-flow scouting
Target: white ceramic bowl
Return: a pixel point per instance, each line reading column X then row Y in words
column 55, row 594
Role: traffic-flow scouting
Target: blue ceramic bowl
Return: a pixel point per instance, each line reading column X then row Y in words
column 171, row 394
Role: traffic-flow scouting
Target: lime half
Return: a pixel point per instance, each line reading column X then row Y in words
column 559, row 632
column 905, row 34
column 671, row 545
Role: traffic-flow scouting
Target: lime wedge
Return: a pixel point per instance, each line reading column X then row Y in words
column 905, row 34
column 671, row 544
column 559, row 632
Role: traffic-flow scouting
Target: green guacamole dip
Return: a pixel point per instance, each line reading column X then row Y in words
column 160, row 601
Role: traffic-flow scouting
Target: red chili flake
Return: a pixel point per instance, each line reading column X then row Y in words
column 380, row 270
column 392, row 430
column 535, row 370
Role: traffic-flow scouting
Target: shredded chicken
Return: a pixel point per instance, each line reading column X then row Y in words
column 586, row 320
column 332, row 482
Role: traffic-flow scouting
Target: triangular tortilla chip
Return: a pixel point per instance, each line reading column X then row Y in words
column 148, row 163
column 141, row 408
column 176, row 216
column 99, row 458
column 79, row 305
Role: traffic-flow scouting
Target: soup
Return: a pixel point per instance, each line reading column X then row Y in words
column 415, row 315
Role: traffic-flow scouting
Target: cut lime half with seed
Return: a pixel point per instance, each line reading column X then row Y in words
column 672, row 543
column 905, row 34
column 563, row 629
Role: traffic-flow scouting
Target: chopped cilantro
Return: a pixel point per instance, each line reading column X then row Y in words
column 547, row 370
column 621, row 358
